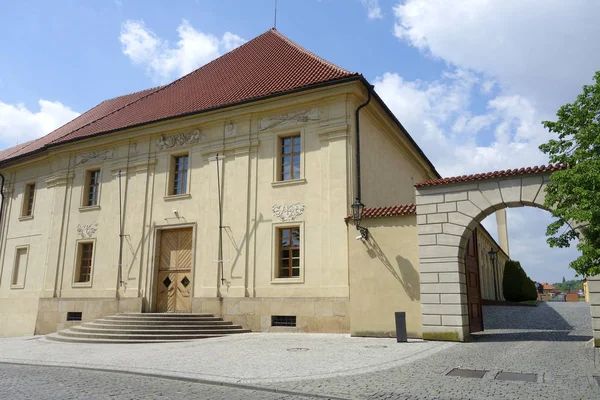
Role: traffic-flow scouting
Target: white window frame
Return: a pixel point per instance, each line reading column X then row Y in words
column 277, row 137
column 76, row 263
column 24, row 204
column 84, row 191
column 171, row 175
column 275, row 253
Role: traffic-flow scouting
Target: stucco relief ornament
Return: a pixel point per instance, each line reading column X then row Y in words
column 288, row 212
column 180, row 139
column 87, row 230
column 97, row 155
column 230, row 129
column 290, row 118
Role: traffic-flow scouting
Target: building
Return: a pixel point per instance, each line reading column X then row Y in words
column 225, row 191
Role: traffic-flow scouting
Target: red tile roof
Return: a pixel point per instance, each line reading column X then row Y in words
column 492, row 175
column 267, row 65
column 390, row 211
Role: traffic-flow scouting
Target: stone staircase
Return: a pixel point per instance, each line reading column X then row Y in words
column 147, row 328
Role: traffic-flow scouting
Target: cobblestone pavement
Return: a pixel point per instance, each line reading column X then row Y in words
column 20, row 382
column 551, row 340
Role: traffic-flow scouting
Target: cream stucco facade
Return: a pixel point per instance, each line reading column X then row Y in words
column 136, row 172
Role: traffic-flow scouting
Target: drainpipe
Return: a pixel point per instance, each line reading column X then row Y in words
column 358, row 188
column 1, row 201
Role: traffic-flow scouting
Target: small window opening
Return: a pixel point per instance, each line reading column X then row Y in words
column 74, row 316
column 283, row 320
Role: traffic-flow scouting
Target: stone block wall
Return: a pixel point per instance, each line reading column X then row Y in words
column 52, row 312
column 594, row 293
column 313, row 314
column 446, row 217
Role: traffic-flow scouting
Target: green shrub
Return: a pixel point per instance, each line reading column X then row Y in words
column 516, row 285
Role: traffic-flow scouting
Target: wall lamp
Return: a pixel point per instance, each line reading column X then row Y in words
column 357, row 214
column 493, row 257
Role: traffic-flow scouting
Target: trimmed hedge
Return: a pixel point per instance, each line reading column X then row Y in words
column 516, row 285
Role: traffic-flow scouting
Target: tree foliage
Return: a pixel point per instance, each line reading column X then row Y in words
column 573, row 194
column 572, row 284
column 516, row 285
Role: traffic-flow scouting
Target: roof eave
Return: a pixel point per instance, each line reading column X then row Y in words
column 354, row 77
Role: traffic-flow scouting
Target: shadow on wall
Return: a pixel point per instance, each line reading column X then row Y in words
column 404, row 271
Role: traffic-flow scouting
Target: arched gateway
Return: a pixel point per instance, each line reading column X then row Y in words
column 448, row 210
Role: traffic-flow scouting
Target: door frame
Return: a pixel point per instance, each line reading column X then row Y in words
column 473, row 237
column 153, row 281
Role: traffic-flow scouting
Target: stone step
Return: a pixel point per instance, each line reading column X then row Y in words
column 147, row 328
column 117, row 322
column 215, row 330
column 164, row 315
column 153, row 336
column 158, row 318
column 125, row 326
column 64, row 339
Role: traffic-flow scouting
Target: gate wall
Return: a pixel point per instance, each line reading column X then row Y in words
column 447, row 212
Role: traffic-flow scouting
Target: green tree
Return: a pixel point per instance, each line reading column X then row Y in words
column 573, row 194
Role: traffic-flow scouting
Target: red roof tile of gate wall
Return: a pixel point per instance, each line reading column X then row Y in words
column 389, row 211
column 266, row 65
column 491, row 175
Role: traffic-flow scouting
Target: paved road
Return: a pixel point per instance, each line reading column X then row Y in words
column 548, row 340
column 26, row 382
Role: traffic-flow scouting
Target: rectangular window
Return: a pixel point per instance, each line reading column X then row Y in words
column 93, row 187
column 180, row 174
column 290, row 158
column 20, row 267
column 29, row 199
column 289, row 253
column 283, row 320
column 84, row 262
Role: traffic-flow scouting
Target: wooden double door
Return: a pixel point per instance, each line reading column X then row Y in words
column 473, row 285
column 174, row 291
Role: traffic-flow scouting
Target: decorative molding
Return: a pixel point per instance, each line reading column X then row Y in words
column 87, row 230
column 133, row 148
column 230, row 129
column 288, row 119
column 288, row 212
column 180, row 139
column 96, row 155
column 333, row 132
column 59, row 180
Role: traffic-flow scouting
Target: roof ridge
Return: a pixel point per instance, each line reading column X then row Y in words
column 158, row 89
column 308, row 52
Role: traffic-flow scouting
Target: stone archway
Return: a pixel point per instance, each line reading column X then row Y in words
column 447, row 212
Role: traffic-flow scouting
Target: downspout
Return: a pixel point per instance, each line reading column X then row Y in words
column 358, row 184
column 1, row 204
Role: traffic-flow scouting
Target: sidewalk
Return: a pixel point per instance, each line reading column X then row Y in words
column 254, row 358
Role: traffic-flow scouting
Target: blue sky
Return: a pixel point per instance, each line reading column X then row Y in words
column 470, row 79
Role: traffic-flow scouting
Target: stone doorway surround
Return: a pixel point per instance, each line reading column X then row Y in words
column 448, row 210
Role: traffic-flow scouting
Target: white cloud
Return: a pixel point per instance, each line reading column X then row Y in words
column 523, row 61
column 164, row 61
column 18, row 124
column 543, row 51
column 373, row 9
column 437, row 114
